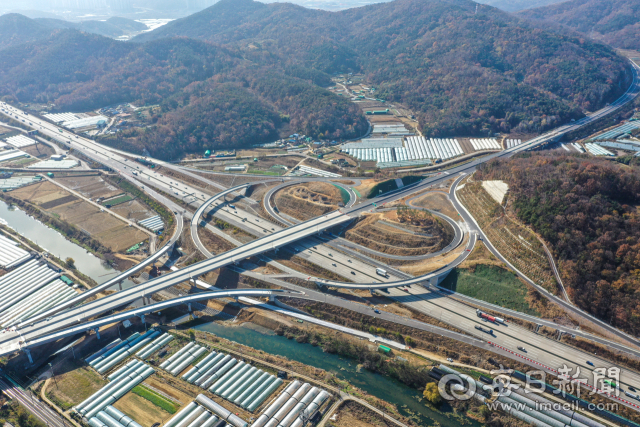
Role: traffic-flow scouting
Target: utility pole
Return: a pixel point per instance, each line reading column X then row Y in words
column 53, row 376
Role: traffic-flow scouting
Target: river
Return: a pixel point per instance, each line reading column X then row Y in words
column 56, row 244
column 405, row 398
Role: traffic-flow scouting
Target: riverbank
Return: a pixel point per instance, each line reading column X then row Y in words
column 87, row 266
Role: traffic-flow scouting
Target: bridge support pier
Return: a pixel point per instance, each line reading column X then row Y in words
column 120, row 285
column 371, row 291
column 97, row 330
column 538, row 326
column 272, row 298
column 26, row 350
column 145, row 323
column 189, row 307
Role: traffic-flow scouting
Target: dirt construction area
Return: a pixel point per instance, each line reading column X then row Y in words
column 405, row 232
column 107, row 229
column 438, row 202
column 308, row 200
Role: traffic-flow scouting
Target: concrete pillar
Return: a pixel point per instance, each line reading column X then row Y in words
column 97, row 332
column 120, row 285
column 189, row 307
column 142, row 318
column 272, row 297
column 538, row 326
column 26, row 350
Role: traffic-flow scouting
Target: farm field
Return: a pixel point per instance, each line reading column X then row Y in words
column 76, row 382
column 107, row 229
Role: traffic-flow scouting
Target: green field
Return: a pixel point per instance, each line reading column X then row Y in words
column 118, row 200
column 491, row 284
column 155, row 398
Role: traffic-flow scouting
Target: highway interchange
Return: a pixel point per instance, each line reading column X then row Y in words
column 318, row 250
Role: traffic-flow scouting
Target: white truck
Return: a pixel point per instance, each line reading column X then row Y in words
column 382, row 272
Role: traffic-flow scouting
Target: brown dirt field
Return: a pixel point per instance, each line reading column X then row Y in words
column 438, row 202
column 76, row 383
column 40, row 150
column 177, row 395
column 388, row 119
column 90, row 186
column 481, row 255
column 106, row 228
column 141, row 410
column 121, row 237
column 37, row 194
column 308, row 200
column 133, row 210
column 57, row 202
column 466, row 146
column 352, row 414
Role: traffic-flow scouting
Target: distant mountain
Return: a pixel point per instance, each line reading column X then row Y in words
column 517, row 5
column 616, row 22
column 462, row 72
column 16, row 29
column 112, row 27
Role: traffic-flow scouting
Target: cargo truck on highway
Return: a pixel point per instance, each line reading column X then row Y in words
column 381, row 272
column 481, row 314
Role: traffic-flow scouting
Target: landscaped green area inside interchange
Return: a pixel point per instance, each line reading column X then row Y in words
column 492, row 284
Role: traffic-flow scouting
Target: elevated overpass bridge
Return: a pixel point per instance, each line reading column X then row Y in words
column 36, row 328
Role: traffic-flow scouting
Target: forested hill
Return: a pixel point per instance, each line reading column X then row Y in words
column 16, row 29
column 462, row 72
column 587, row 209
column 210, row 96
column 616, row 22
column 517, row 5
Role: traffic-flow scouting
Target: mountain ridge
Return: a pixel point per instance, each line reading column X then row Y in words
column 615, row 22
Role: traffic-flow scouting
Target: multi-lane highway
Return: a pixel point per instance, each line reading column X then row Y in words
column 29, row 334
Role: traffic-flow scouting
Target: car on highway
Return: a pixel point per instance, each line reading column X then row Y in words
column 375, row 310
column 590, row 363
column 450, row 360
column 334, row 265
column 353, row 272
column 632, row 389
column 522, row 349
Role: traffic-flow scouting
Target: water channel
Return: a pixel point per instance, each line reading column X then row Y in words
column 56, row 244
column 405, row 398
